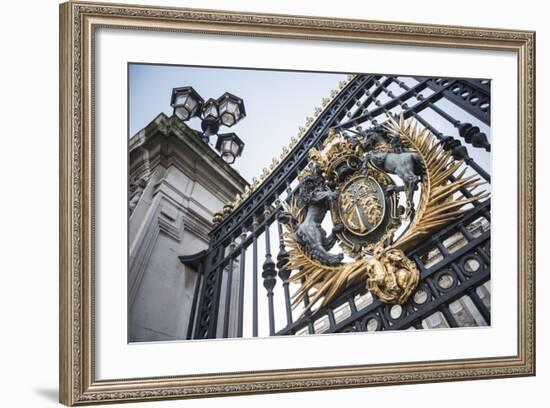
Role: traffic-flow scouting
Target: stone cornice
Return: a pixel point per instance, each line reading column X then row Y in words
column 171, row 142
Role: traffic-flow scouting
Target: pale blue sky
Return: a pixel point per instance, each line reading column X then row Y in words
column 276, row 103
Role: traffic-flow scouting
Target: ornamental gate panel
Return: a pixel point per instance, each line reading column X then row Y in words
column 244, row 283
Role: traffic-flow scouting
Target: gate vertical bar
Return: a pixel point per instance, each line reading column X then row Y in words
column 284, row 272
column 240, row 314
column 227, row 306
column 207, row 319
column 255, row 277
column 269, row 274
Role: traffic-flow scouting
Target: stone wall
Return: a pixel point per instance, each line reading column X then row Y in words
column 176, row 184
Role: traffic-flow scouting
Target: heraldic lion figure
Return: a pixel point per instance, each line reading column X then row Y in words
column 314, row 202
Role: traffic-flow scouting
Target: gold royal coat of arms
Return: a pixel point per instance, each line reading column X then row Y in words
column 385, row 189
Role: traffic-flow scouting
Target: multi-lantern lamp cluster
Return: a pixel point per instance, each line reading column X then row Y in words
column 227, row 110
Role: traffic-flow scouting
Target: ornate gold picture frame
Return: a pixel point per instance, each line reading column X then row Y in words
column 78, row 24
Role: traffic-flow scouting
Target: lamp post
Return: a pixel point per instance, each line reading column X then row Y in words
column 210, row 120
column 227, row 110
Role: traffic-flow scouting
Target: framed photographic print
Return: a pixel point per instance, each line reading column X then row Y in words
column 260, row 203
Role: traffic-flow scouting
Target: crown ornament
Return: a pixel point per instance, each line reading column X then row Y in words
column 338, row 158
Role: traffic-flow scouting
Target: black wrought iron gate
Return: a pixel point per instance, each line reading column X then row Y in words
column 247, row 249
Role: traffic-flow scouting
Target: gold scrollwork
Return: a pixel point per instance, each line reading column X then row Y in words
column 383, row 266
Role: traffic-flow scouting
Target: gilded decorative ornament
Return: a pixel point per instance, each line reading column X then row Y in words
column 219, row 216
column 351, row 177
column 361, row 204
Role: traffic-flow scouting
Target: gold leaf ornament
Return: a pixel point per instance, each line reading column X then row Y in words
column 388, row 274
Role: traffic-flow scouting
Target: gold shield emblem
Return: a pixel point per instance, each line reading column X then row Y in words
column 361, row 205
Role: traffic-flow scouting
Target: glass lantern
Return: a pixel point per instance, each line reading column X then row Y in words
column 186, row 102
column 210, row 110
column 230, row 147
column 231, row 109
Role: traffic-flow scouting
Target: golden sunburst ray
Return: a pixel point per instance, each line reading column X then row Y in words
column 441, row 202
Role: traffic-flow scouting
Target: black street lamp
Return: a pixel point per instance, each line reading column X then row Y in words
column 230, row 147
column 227, row 110
column 186, row 102
column 231, row 109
